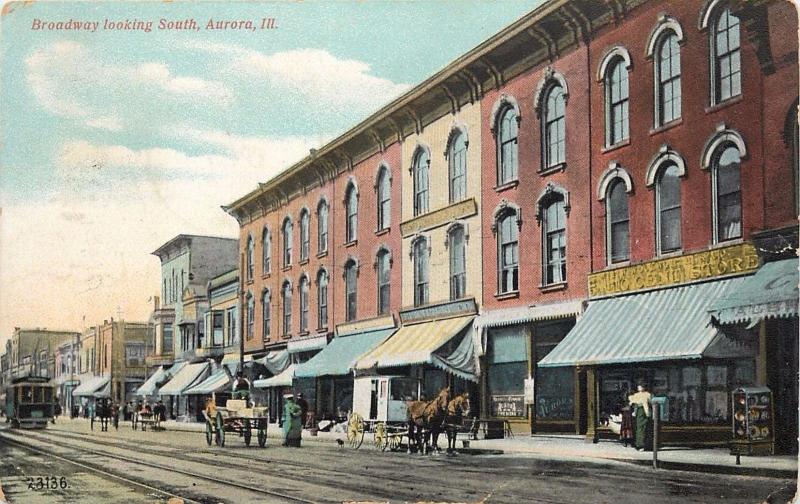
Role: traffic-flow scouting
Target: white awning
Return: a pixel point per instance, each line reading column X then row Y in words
column 89, row 385
column 283, row 379
column 307, row 344
column 219, row 380
column 523, row 314
column 188, row 376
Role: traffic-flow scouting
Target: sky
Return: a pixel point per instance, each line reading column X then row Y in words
column 116, row 138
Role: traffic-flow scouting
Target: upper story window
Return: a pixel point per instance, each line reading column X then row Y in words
column 384, row 187
column 322, row 226
column 458, row 262
column 421, row 275
column 217, row 328
column 266, row 251
column 727, row 193
column 304, row 290
column 668, row 209
column 322, row 299
column 305, row 234
column 266, row 314
column 382, row 265
column 507, row 129
column 508, row 252
column 614, row 75
column 726, row 68
column 420, row 171
column 554, row 239
column 668, row 78
column 251, row 315
column 554, row 127
column 617, row 222
column 457, row 167
column 351, row 207
column 251, row 252
column 351, row 290
column 287, row 242
column 287, row 308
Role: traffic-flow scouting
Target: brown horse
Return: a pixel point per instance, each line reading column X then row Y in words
column 425, row 420
column 456, row 409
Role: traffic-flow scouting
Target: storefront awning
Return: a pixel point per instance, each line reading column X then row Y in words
column 283, row 379
column 160, row 377
column 89, row 385
column 218, row 380
column 276, row 361
column 231, row 361
column 339, row 357
column 658, row 325
column 307, row 344
column 770, row 293
column 105, row 390
column 418, row 344
column 525, row 314
column 188, row 376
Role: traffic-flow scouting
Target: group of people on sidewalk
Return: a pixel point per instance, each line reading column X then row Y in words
column 295, row 411
column 635, row 420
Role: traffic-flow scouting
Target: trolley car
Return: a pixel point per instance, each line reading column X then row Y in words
column 30, row 402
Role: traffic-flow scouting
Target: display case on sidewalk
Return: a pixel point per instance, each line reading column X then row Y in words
column 752, row 421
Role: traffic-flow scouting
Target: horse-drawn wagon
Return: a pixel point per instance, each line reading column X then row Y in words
column 236, row 417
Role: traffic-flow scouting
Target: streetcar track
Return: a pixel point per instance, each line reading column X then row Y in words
column 162, row 467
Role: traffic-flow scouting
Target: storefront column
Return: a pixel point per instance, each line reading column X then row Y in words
column 578, row 399
column 591, row 405
column 530, row 334
column 761, row 361
column 484, row 389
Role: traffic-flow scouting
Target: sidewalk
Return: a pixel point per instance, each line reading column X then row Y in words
column 575, row 449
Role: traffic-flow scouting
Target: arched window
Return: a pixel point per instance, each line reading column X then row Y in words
column 287, row 242
column 668, row 78
column 458, row 262
column 266, row 251
column 251, row 315
column 287, row 308
column 266, row 315
column 351, row 290
column 305, row 234
column 322, row 299
column 421, row 276
column 420, row 170
column 727, row 193
column 250, row 257
column 351, row 206
column 382, row 264
column 322, row 226
column 668, row 209
column 617, row 101
column 457, row 167
column 553, row 127
column 508, row 253
column 303, row 304
column 384, row 187
column 617, row 226
column 508, row 124
column 554, row 230
column 726, row 68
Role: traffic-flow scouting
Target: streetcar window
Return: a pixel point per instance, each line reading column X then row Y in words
column 48, row 394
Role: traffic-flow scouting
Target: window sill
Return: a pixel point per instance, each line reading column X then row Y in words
column 666, row 126
column 286, row 336
column 617, row 265
column 507, row 185
column 553, row 287
column 286, row 268
column 381, row 232
column 248, row 282
column 302, row 333
column 322, row 254
column 552, row 169
column 351, row 243
column 726, row 243
column 723, row 104
column 322, row 329
column 265, row 276
column 618, row 145
column 671, row 253
column 303, row 262
column 506, row 295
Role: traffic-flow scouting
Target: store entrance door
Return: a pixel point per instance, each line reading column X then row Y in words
column 782, row 379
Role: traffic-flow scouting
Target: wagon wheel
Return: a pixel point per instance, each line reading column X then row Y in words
column 262, row 432
column 246, row 430
column 220, row 430
column 209, row 432
column 380, row 439
column 395, row 440
column 355, row 430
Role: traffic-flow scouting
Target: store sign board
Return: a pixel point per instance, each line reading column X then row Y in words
column 529, row 388
column 508, row 405
column 732, row 260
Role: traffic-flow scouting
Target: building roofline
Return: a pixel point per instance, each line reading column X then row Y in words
column 186, row 237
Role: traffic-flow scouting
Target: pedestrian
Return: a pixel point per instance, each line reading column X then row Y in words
column 292, row 428
column 241, row 387
column 303, row 409
column 162, row 411
column 56, row 411
column 640, row 401
column 115, row 415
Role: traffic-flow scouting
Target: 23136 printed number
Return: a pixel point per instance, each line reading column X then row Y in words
column 48, row 483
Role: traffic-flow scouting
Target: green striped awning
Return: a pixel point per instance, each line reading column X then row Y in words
column 770, row 293
column 341, row 354
column 659, row 325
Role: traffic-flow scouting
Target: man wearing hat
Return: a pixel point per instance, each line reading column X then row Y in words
column 292, row 428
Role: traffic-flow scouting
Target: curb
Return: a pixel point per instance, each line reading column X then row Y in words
column 741, row 470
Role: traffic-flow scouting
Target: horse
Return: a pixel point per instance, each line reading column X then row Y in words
column 102, row 413
column 456, row 409
column 425, row 420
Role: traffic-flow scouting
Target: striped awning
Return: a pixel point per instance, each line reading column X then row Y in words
column 284, row 379
column 307, row 344
column 524, row 314
column 339, row 357
column 770, row 293
column 89, row 385
column 188, row 376
column 414, row 344
column 218, row 380
column 666, row 324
